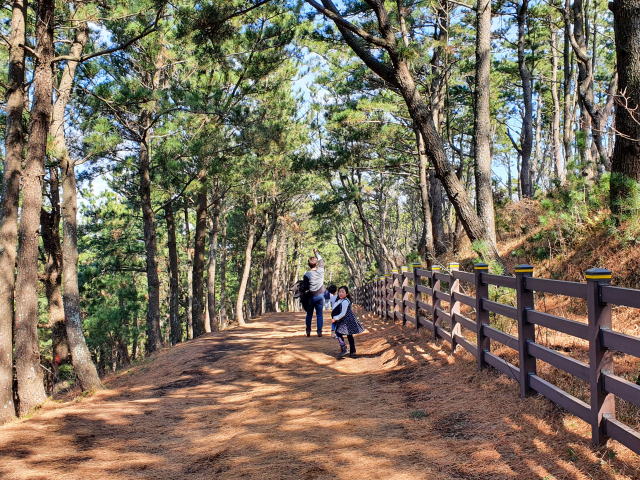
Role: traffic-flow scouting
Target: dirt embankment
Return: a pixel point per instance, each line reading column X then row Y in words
column 267, row 402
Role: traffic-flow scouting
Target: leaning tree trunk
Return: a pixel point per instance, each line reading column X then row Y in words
column 154, row 341
column 28, row 370
column 398, row 74
column 199, row 326
column 14, row 145
column 172, row 245
column 526, row 135
column 80, row 356
column 625, row 164
column 482, row 120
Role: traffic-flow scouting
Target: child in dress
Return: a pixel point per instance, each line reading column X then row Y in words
column 346, row 322
column 331, row 296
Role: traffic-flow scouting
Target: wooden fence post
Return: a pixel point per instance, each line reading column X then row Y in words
column 386, row 296
column 404, row 270
column 416, row 294
column 600, row 358
column 526, row 330
column 394, row 284
column 482, row 315
column 435, row 285
column 454, row 306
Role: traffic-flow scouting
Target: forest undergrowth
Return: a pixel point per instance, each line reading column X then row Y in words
column 562, row 235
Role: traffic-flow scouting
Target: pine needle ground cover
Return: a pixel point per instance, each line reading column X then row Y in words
column 267, row 402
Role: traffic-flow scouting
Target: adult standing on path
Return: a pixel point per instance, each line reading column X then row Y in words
column 314, row 282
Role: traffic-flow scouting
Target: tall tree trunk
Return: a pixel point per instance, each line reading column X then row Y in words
column 585, row 83
column 268, row 271
column 199, row 327
column 555, row 127
column 425, row 245
column 81, row 357
column 437, row 215
column 211, row 269
column 189, row 274
column 482, row 120
column 224, row 320
column 14, row 145
column 567, row 69
column 526, row 134
column 172, row 246
column 625, row 165
column 538, row 161
column 275, row 287
column 150, row 239
column 251, row 218
column 29, row 372
column 52, row 278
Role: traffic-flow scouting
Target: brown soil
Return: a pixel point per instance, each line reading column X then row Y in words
column 267, row 402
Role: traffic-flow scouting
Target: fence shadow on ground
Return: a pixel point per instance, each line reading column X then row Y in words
column 268, row 402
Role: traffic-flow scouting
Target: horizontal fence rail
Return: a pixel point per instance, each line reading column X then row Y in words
column 415, row 295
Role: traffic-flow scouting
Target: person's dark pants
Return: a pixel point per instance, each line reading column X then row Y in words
column 317, row 303
column 352, row 343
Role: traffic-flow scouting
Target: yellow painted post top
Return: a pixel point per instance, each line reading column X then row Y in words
column 454, row 265
column 598, row 274
column 481, row 266
column 416, row 265
column 395, row 270
column 435, row 268
column 404, row 268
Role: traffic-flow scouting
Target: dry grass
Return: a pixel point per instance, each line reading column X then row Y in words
column 267, row 402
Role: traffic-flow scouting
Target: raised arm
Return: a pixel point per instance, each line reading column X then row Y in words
column 320, row 260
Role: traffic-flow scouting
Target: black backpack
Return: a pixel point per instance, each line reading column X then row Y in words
column 305, row 297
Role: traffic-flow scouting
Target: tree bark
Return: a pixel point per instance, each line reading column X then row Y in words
column 224, row 320
column 189, row 274
column 567, row 135
column 555, row 127
column 482, row 120
column 52, row 278
column 14, row 145
column 526, row 134
column 199, row 327
column 268, row 267
column 28, row 370
column 213, row 257
column 251, row 219
column 625, row 165
column 172, row 246
column 425, row 245
column 437, row 215
column 81, row 357
column 154, row 341
column 278, row 275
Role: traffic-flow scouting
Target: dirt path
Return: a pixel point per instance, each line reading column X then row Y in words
column 266, row 402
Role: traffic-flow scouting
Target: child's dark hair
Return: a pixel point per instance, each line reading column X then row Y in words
column 346, row 289
column 332, row 289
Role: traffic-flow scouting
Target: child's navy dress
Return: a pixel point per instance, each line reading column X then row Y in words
column 349, row 324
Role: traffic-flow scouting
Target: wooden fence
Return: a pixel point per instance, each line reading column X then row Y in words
column 388, row 296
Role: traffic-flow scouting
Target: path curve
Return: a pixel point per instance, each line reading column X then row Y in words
column 266, row 402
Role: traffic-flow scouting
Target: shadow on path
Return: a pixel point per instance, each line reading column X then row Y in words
column 268, row 402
